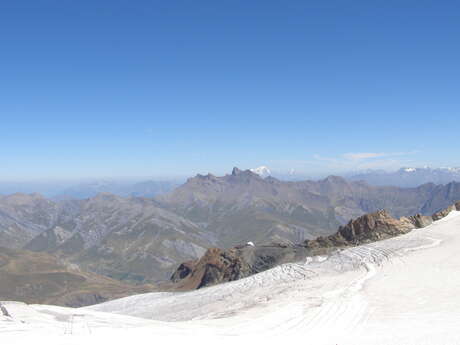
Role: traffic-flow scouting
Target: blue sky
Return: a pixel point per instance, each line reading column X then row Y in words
column 161, row 88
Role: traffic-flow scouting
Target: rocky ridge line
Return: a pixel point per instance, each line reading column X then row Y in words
column 219, row 266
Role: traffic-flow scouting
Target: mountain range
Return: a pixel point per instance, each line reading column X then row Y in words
column 408, row 177
column 143, row 240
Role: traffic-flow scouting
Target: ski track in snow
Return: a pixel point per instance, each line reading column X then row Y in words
column 330, row 296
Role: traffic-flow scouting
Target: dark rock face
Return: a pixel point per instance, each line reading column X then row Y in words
column 183, row 271
column 218, row 266
column 4, row 311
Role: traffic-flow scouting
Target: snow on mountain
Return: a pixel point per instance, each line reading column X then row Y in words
column 262, row 171
column 407, row 284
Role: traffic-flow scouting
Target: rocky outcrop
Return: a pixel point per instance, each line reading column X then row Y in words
column 218, row 266
column 368, row 228
column 375, row 227
column 443, row 213
column 420, row 221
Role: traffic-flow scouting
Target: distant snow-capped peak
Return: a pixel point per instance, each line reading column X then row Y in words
column 451, row 169
column 428, row 169
column 261, row 171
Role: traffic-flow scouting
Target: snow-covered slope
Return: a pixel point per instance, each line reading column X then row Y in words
column 399, row 291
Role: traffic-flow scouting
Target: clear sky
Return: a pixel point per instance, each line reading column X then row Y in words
column 92, row 88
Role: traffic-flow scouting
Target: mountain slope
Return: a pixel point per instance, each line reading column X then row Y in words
column 243, row 206
column 124, row 238
column 41, row 278
column 24, row 216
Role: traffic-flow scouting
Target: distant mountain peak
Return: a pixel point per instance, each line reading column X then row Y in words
column 261, row 171
column 236, row 171
column 248, row 172
column 409, row 170
column 410, row 176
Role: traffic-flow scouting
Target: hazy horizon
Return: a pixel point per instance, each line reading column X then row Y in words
column 283, row 174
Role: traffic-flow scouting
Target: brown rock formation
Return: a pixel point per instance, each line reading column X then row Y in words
column 420, row 221
column 368, row 228
column 215, row 266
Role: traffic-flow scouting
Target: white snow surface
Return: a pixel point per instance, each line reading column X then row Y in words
column 404, row 290
column 262, row 171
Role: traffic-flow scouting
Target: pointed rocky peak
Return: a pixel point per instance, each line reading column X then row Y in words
column 244, row 173
column 236, row 171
